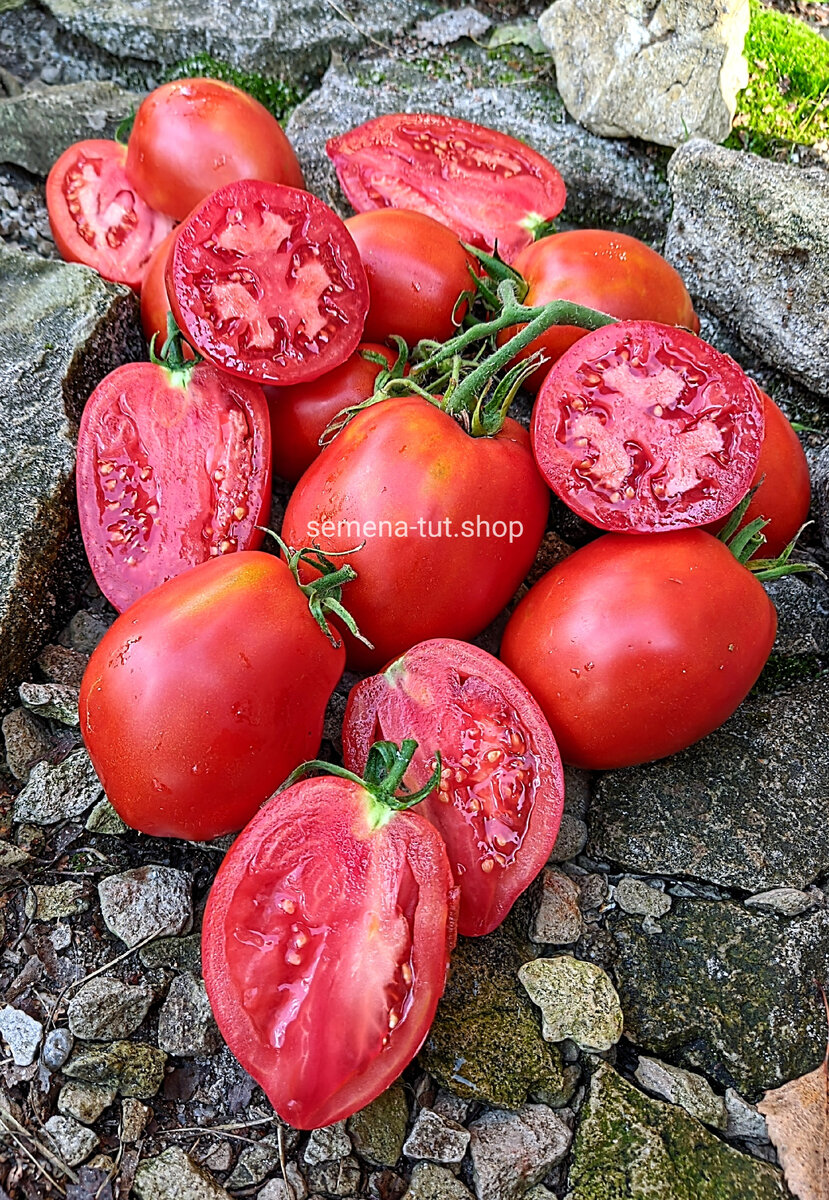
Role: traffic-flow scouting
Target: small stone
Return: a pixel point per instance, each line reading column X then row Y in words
column 635, row 896
column 173, row 953
column 56, row 792
column 60, row 935
column 134, row 1068
column 11, row 855
column 786, row 901
column 27, row 739
column 255, row 1162
column 512, row 1151
column 327, row 1143
column 378, row 1131
column 577, row 1001
column 431, row 1182
column 448, row 27
column 56, row 1048
column 84, row 1101
column 106, row 1009
column 185, row 1022
column 340, row 1177
column 21, row 1033
column 385, row 1185
column 174, row 1176
column 744, row 1121
column 134, row 1118
column 571, row 840
column 594, row 892
column 275, row 1189
column 436, row 1138
column 686, row 1088
column 55, row 701
column 62, row 664
column 146, row 901
column 558, row 920
column 73, row 1142
column 86, row 630
column 104, row 819
column 453, row 1108
column 50, row 901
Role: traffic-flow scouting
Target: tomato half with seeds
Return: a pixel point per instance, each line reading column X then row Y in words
column 501, row 793
column 267, row 283
column 173, row 468
column 96, row 215
column 325, row 946
column 486, row 186
column 636, row 647
column 641, row 427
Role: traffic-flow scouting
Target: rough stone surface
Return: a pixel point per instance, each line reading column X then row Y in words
column 57, row 792
column 27, row 741
column 431, row 1182
column 21, row 1033
column 339, row 1177
column 134, row 1118
column 726, row 991
column 636, row 896
column 802, row 603
column 571, row 840
column 764, row 272
column 254, row 1163
column 61, row 330
column 787, row 902
column 174, row 1176
column 84, row 1101
column 104, row 1008
column 39, row 124
column 661, row 70
column 630, row 1145
column 558, row 920
column 73, row 1142
column 577, row 1001
column 686, row 1088
column 185, row 1021
column 134, row 1068
column 436, row 1138
column 512, row 1151
column 62, row 664
column 378, row 1131
column 51, row 901
column 744, row 1121
column 330, row 1142
column 104, row 819
column 152, row 900
column 57, row 701
column 745, row 807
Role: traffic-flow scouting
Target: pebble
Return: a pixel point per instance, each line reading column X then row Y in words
column 786, row 901
column 338, row 1178
column 436, row 1138
column 511, row 1151
column 105, row 1008
column 55, row 701
column 275, row 1189
column 744, row 1121
column 255, row 1163
column 56, row 792
column 85, row 631
column 327, row 1143
column 27, row 739
column 50, row 901
column 577, row 1001
column 218, row 1157
column 21, row 1033
column 451, row 1107
column 11, row 855
column 378, row 1131
column 134, row 1068
column 84, row 1101
column 174, row 1176
column 134, row 1119
column 431, row 1182
column 571, row 840
column 104, row 819
column 74, row 1142
column 56, row 1048
column 62, row 664
column 185, row 1022
column 145, row 902
column 686, row 1088
column 558, row 920
column 635, row 896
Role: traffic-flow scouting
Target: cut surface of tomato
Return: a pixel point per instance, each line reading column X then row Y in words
column 97, row 216
column 642, row 427
column 500, row 798
column 486, row 186
column 266, row 282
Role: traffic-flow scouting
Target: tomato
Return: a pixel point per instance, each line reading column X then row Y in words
column 155, row 304
column 267, row 283
column 501, row 793
column 642, row 427
column 301, row 414
column 325, row 945
column 451, row 523
column 97, row 217
column 192, row 136
column 417, row 270
column 205, row 694
column 611, row 272
column 782, row 482
column 637, row 647
column 484, row 185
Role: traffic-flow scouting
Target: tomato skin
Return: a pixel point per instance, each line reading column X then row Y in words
column 457, row 699
column 636, row 648
column 155, row 303
column 784, row 495
column 205, row 694
column 311, row 906
column 192, row 136
column 300, row 414
column 169, row 473
column 612, row 272
column 97, row 218
column 405, row 462
column 417, row 270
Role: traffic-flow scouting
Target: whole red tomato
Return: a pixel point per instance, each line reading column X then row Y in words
column 611, row 272
column 205, row 694
column 417, row 270
column 155, row 303
column 636, row 647
column 451, row 523
column 192, row 136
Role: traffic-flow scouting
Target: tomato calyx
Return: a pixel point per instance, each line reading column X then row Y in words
column 325, row 592
column 172, row 358
column 386, row 765
column 745, row 542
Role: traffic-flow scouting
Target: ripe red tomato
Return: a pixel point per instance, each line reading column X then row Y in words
column 642, row 427
column 484, row 185
column 192, row 136
column 205, row 694
column 611, row 272
column 637, row 647
column 501, row 793
column 97, row 217
column 155, row 303
column 417, row 270
column 451, row 523
column 784, row 494
column 301, row 414
column 325, row 945
column 267, row 283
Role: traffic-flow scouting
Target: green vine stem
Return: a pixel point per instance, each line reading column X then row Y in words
column 745, row 542
column 172, row 357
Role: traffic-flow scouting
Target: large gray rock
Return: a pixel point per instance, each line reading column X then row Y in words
column 750, row 238
column 746, row 807
column 62, row 328
column 39, row 124
column 661, row 70
column 726, row 991
column 608, row 183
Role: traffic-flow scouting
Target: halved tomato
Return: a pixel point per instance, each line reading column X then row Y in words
column 501, row 793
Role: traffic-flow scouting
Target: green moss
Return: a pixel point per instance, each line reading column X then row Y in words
column 277, row 96
column 780, row 674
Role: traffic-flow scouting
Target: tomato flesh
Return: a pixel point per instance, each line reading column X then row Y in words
column 96, row 215
column 267, row 283
column 642, row 427
column 501, row 793
column 325, row 947
column 484, row 185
